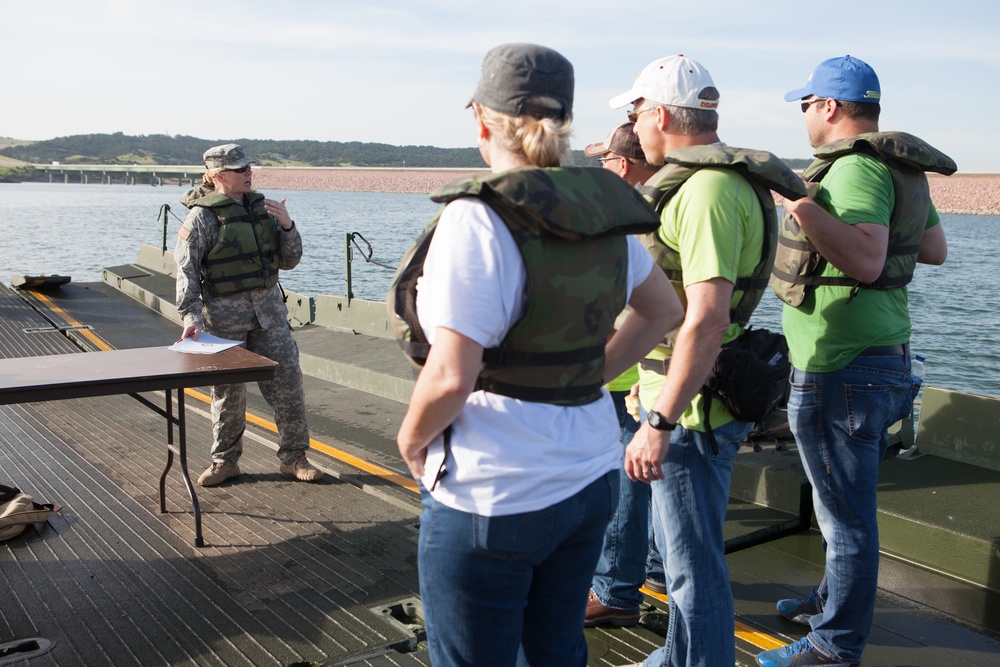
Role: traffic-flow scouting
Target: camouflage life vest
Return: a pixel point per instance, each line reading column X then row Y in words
column 797, row 263
column 246, row 254
column 569, row 225
column 763, row 171
column 189, row 198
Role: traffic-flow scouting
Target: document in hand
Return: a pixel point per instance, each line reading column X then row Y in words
column 206, row 344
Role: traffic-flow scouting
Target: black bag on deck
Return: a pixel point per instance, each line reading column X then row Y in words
column 751, row 374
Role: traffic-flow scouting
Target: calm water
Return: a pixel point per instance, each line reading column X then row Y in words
column 79, row 229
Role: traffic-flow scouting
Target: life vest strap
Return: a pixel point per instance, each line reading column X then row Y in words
column 541, row 394
column 498, row 357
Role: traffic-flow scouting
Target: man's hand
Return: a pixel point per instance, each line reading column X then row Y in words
column 645, row 453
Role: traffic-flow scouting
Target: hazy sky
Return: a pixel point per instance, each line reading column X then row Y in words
column 400, row 72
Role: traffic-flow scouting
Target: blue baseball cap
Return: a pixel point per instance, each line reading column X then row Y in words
column 845, row 78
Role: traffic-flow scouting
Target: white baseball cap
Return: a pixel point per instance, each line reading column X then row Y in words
column 674, row 80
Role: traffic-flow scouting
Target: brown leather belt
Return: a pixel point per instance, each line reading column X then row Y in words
column 897, row 350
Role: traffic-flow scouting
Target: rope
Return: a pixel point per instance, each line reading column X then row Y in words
column 159, row 216
column 354, row 239
column 367, row 257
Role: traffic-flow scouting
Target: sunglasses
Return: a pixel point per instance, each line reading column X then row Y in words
column 241, row 170
column 633, row 115
column 808, row 103
column 605, row 160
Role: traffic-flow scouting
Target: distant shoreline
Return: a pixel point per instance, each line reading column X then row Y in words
column 961, row 194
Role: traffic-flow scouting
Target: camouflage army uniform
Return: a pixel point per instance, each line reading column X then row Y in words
column 259, row 318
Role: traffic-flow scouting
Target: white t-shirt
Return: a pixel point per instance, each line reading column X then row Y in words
column 508, row 456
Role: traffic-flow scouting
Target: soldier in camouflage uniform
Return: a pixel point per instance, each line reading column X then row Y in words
column 231, row 246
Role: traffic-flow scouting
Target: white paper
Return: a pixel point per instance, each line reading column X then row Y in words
column 206, row 344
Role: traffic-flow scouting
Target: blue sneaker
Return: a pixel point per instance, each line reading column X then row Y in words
column 798, row 654
column 800, row 610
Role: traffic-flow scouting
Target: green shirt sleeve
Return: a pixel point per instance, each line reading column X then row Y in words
column 858, row 188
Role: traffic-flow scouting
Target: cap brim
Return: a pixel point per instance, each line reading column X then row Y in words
column 626, row 98
column 215, row 164
column 798, row 94
column 596, row 150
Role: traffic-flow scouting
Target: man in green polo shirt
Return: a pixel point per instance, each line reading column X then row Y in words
column 844, row 259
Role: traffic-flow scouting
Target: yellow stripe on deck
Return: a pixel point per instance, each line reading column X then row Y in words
column 743, row 632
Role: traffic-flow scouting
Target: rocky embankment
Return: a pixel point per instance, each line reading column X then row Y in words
column 419, row 181
column 964, row 194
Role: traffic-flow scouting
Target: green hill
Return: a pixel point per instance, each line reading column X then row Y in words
column 119, row 148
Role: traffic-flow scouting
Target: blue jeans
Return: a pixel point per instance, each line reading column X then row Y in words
column 629, row 554
column 839, row 421
column 689, row 508
column 511, row 590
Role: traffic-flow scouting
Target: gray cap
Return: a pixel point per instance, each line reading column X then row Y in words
column 621, row 141
column 513, row 73
column 226, row 156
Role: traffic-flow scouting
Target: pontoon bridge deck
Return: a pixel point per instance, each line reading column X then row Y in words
column 325, row 573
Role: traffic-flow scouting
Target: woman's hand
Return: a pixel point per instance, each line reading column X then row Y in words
column 278, row 211
column 192, row 330
column 446, row 380
column 415, row 455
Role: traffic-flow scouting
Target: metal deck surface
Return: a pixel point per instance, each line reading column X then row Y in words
column 299, row 573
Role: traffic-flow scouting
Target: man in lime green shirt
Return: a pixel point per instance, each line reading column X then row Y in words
column 843, row 262
column 711, row 235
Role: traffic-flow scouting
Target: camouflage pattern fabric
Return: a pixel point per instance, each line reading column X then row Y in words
column 285, row 394
column 257, row 316
column 905, row 149
column 907, row 158
column 570, row 226
column 188, row 198
column 570, row 203
column 763, row 171
column 246, row 254
column 261, row 307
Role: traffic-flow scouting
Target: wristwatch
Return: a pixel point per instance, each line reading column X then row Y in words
column 659, row 422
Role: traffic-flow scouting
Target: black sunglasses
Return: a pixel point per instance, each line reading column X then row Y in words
column 808, row 103
column 241, row 170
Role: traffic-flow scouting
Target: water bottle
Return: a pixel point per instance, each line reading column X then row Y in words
column 917, row 369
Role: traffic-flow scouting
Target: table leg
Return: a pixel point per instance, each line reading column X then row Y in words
column 170, row 450
column 181, row 450
column 182, row 437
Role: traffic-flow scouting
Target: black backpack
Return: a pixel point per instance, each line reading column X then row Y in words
column 750, row 377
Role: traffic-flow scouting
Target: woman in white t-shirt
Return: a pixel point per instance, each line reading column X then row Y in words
column 520, row 481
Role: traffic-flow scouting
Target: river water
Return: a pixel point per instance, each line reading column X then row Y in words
column 77, row 230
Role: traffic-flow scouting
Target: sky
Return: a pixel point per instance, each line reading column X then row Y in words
column 401, row 72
